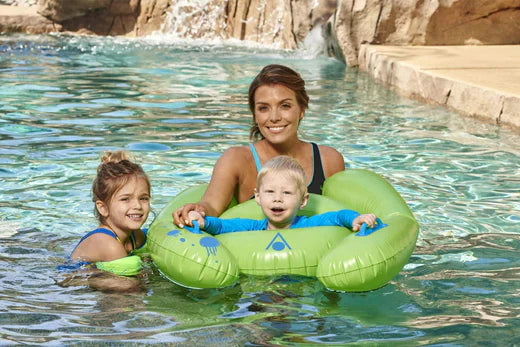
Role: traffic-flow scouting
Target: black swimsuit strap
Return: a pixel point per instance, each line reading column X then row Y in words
column 318, row 175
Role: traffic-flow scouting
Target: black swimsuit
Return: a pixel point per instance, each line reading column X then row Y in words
column 318, row 175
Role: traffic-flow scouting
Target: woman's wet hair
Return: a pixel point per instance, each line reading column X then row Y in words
column 271, row 75
column 115, row 170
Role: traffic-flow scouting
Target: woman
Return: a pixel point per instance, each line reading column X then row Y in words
column 277, row 100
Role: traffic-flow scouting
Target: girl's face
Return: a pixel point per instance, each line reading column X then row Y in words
column 129, row 207
column 277, row 113
column 280, row 199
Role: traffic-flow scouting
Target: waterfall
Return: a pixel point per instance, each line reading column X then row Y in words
column 278, row 24
column 196, row 19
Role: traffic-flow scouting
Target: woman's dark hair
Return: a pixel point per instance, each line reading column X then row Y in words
column 276, row 74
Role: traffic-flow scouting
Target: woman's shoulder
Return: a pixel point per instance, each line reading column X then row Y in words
column 329, row 151
column 332, row 160
column 236, row 154
column 237, row 150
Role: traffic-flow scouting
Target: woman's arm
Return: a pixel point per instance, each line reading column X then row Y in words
column 221, row 188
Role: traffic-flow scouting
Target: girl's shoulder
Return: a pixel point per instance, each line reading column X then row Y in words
column 97, row 245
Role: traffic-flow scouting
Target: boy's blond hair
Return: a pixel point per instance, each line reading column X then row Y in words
column 288, row 165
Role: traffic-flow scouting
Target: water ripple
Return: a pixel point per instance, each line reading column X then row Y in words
column 178, row 106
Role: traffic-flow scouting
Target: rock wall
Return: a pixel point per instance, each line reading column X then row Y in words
column 423, row 22
column 284, row 24
column 280, row 23
column 106, row 17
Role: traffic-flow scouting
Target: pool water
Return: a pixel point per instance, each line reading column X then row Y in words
column 177, row 106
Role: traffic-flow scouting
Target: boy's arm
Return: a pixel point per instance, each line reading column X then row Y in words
column 346, row 218
column 354, row 220
column 215, row 225
column 342, row 218
column 369, row 219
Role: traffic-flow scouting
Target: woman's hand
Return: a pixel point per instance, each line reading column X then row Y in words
column 181, row 215
column 370, row 219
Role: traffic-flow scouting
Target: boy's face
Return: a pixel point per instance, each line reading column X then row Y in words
column 280, row 199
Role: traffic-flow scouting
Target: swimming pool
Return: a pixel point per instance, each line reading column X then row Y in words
column 177, row 106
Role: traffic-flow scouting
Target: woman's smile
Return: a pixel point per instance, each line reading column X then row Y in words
column 276, row 129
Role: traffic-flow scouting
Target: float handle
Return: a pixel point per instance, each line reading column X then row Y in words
column 365, row 230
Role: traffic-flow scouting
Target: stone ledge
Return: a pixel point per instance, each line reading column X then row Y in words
column 478, row 81
column 25, row 20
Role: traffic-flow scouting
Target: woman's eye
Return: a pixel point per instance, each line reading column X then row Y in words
column 145, row 198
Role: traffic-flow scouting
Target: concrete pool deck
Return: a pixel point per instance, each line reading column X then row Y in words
column 478, row 81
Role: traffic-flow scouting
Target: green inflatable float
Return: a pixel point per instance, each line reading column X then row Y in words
column 340, row 259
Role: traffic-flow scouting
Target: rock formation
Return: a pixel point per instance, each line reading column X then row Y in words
column 286, row 23
column 280, row 23
column 423, row 22
column 106, row 17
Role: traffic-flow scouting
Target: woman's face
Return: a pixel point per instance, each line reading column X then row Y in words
column 277, row 112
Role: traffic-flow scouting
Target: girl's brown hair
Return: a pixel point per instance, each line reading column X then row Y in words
column 115, row 170
column 276, row 74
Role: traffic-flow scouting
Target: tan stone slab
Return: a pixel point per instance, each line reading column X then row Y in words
column 480, row 81
column 6, row 10
column 455, row 57
column 25, row 19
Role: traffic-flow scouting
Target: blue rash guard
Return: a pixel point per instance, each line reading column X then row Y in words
column 215, row 225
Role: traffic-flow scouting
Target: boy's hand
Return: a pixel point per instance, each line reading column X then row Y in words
column 370, row 219
column 196, row 216
column 181, row 215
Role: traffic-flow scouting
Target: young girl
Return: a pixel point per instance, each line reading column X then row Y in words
column 121, row 193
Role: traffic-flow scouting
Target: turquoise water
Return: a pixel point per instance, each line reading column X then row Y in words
column 63, row 100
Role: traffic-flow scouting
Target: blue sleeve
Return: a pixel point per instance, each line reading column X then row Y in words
column 215, row 225
column 342, row 218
